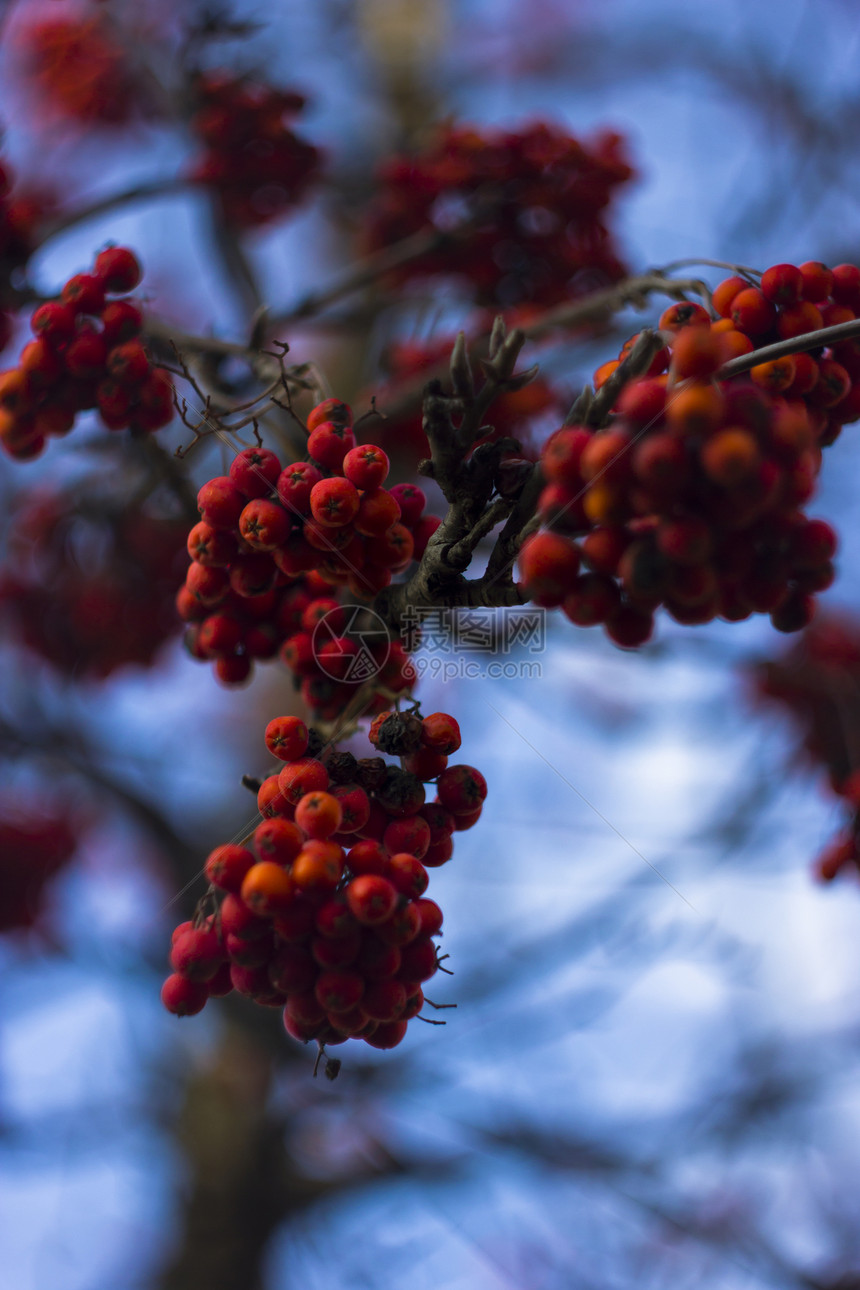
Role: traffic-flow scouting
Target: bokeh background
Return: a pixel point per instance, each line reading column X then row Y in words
column 650, row 1079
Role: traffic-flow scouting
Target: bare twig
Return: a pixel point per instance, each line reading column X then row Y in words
column 825, row 336
column 112, row 201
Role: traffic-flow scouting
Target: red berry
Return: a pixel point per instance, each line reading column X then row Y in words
column 55, row 322
column 84, row 293
column 366, row 466
column 305, row 775
column 334, row 410
column 334, row 502
column 371, row 898
column 339, row 991
column 817, row 281
column 366, row 857
column 461, row 789
column 378, row 511
column 182, row 997
column 197, row 954
column 846, row 285
column 328, row 444
column 287, row 738
column 118, row 268
column 220, row 503
column 431, row 916
column 278, row 840
column 387, row 1035
column 255, row 472
column 238, row 920
column 548, row 566
column 752, row 312
column 441, row 733
column 411, row 835
column 782, row 284
column 408, row 875
column 264, row 525
column 418, row 960
column 294, row 486
column 271, row 801
column 227, row 866
column 86, row 354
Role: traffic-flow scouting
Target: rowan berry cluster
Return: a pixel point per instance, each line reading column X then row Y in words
column 88, row 583
column 78, row 69
column 325, row 914
column 34, row 847
column 525, row 210
column 253, row 160
column 514, row 411
column 87, row 354
column 275, row 543
column 818, row 681
column 692, row 497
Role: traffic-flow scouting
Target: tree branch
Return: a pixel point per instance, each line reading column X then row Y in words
column 113, row 201
column 825, row 336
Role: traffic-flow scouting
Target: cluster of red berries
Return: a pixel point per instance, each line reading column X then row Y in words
column 78, row 70
column 527, row 208
column 257, row 165
column 514, row 411
column 691, row 498
column 34, row 847
column 273, row 545
column 327, row 916
column 86, row 354
column 88, row 582
column 818, row 681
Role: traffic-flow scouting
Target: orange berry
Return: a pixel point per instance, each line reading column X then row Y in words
column 725, row 292
column 604, row 504
column 696, row 353
column 606, row 457
column 752, row 312
column 798, row 320
column 730, row 457
column 733, row 343
column 695, row 409
column 684, row 314
column 319, row 814
column 13, row 389
column 775, row 376
column 267, row 889
column 318, row 868
column 603, row 373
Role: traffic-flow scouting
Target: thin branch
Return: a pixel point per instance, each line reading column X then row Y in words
column 234, row 261
column 112, row 201
column 364, row 273
column 598, row 306
column 825, row 336
column 513, row 535
column 459, row 554
column 634, row 365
